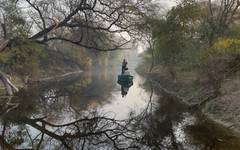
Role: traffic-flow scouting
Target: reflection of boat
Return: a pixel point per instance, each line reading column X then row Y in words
column 126, row 81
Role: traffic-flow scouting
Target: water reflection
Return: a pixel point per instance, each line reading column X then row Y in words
column 74, row 114
column 171, row 124
column 52, row 119
column 126, row 83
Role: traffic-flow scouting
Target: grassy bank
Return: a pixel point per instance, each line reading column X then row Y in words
column 192, row 88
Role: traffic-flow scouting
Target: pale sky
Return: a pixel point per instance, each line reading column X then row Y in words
column 168, row 3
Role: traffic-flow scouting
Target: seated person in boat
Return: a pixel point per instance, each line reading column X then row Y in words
column 124, row 66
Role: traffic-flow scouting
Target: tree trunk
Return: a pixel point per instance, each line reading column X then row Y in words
column 3, row 44
column 9, row 86
column 4, row 30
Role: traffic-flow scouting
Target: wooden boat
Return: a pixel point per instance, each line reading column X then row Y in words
column 125, row 80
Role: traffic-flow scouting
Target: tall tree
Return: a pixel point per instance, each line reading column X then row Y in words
column 95, row 21
column 220, row 15
column 52, row 20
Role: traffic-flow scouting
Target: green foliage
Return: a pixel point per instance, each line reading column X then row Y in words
column 174, row 35
column 178, row 38
column 234, row 31
column 223, row 58
column 224, row 47
column 185, row 16
column 22, row 58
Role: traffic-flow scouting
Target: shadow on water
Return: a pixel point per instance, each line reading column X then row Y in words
column 125, row 82
column 171, row 124
column 88, row 112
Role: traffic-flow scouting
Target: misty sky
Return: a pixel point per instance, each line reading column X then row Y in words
column 168, row 3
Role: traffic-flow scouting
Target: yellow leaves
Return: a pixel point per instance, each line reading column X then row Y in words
column 226, row 44
column 224, row 47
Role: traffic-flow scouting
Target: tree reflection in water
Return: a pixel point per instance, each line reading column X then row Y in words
column 25, row 127
column 46, row 119
column 89, row 132
column 171, row 124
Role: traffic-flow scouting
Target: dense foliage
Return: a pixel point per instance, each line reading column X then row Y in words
column 181, row 36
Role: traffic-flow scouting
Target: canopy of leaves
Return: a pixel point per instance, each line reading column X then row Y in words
column 224, row 47
column 24, row 58
column 176, row 32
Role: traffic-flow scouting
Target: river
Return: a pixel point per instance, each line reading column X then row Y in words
column 89, row 112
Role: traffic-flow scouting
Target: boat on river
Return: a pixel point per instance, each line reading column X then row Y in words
column 125, row 79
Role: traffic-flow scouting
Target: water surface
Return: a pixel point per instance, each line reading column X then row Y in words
column 89, row 112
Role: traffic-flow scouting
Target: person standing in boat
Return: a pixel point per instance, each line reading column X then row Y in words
column 124, row 65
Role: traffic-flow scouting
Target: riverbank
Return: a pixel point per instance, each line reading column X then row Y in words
column 188, row 87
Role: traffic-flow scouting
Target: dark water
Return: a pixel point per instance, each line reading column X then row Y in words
column 89, row 112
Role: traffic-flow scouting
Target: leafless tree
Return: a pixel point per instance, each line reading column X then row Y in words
column 55, row 20
column 89, row 132
column 103, row 25
column 221, row 14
